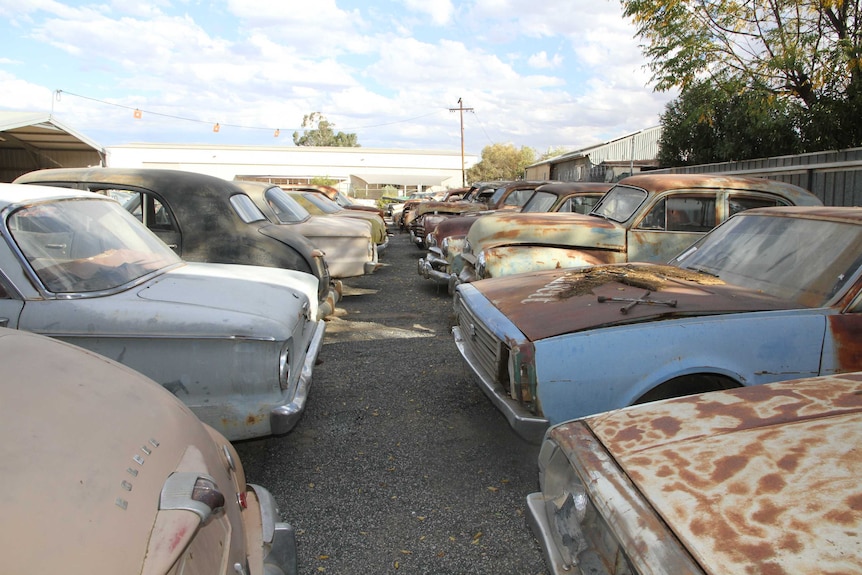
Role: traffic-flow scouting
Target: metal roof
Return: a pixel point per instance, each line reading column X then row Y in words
column 33, row 140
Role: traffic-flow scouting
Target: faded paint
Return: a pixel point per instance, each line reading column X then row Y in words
column 756, row 480
column 544, row 240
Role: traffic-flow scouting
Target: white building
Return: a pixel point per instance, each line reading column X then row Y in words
column 362, row 172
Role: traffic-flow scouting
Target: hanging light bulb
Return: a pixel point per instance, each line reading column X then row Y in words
column 138, row 114
column 276, row 133
column 216, row 128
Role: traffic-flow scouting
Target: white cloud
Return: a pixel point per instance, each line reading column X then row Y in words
column 541, row 60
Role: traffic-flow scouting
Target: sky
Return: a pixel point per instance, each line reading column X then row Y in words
column 547, row 74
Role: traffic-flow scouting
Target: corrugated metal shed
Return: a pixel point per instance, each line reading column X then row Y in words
column 35, row 140
column 637, row 150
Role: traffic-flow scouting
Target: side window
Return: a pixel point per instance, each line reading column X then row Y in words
column 737, row 203
column 158, row 217
column 654, row 220
column 690, row 214
column 681, row 214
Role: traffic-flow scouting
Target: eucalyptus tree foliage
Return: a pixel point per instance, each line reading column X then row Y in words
column 805, row 49
column 318, row 131
column 501, row 162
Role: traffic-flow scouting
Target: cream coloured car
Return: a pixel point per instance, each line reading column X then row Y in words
column 105, row 472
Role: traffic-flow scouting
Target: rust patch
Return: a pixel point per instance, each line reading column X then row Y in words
column 582, row 282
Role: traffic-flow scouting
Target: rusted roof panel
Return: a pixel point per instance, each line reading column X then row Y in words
column 763, row 479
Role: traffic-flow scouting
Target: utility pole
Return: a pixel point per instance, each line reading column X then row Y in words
column 462, row 109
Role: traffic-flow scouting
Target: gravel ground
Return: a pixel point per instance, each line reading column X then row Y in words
column 400, row 463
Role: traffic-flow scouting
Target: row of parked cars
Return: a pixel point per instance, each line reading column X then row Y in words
column 149, row 318
column 686, row 351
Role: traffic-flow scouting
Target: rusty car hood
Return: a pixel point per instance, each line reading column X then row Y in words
column 763, row 479
column 546, row 228
column 554, row 302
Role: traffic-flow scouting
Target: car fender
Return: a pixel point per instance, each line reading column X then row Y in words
column 610, row 368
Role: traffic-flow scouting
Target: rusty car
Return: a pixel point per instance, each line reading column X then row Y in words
column 484, row 197
column 319, row 205
column 236, row 343
column 761, row 479
column 202, row 218
column 120, row 477
column 443, row 262
column 644, row 218
column 346, row 242
column 771, row 294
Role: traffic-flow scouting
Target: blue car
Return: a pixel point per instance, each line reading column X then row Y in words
column 770, row 295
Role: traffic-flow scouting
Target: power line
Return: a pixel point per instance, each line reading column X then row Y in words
column 139, row 112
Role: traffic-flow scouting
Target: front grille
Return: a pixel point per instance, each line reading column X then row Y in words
column 489, row 351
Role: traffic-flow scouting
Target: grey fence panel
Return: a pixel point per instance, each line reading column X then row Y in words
column 835, row 176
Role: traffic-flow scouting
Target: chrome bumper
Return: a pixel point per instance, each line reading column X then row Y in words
column 529, row 427
column 284, row 417
column 279, row 538
column 427, row 270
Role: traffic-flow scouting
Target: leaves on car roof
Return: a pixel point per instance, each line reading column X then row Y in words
column 582, row 281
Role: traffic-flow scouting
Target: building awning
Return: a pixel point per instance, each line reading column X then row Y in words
column 404, row 179
column 33, row 140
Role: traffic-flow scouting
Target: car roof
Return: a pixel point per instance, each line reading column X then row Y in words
column 163, row 181
column 663, row 182
column 13, row 194
column 834, row 213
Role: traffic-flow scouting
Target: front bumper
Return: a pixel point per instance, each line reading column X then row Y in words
column 529, row 427
column 284, row 417
column 333, row 296
column 434, row 268
column 278, row 538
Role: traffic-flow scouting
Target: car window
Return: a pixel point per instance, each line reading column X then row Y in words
column 737, row 203
column 681, row 213
column 245, row 208
column 620, row 203
column 579, row 204
column 86, row 245
column 540, row 202
column 286, row 209
column 518, row 197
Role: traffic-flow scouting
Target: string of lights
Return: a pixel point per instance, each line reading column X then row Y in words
column 139, row 113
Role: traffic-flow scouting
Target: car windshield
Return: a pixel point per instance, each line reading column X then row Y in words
column 77, row 246
column 620, row 203
column 805, row 260
column 540, row 202
column 287, row 209
column 322, row 202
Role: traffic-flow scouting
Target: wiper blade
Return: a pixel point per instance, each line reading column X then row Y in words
column 702, row 270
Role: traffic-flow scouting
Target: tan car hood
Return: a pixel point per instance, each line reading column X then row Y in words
column 69, row 445
column 763, row 479
column 549, row 303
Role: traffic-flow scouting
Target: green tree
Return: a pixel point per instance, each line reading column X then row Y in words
column 501, row 162
column 808, row 52
column 553, row 153
column 707, row 124
column 318, row 131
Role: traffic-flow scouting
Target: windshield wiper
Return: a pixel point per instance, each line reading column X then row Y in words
column 702, row 270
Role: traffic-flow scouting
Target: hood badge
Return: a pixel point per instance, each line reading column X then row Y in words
column 632, row 302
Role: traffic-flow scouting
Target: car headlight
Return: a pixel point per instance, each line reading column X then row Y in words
column 580, row 534
column 480, row 265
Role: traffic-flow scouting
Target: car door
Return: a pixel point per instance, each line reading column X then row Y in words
column 150, row 210
column 670, row 224
column 10, row 306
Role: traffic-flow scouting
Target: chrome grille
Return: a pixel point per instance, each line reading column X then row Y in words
column 489, row 351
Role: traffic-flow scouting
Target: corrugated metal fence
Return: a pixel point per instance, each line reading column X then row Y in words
column 835, row 177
